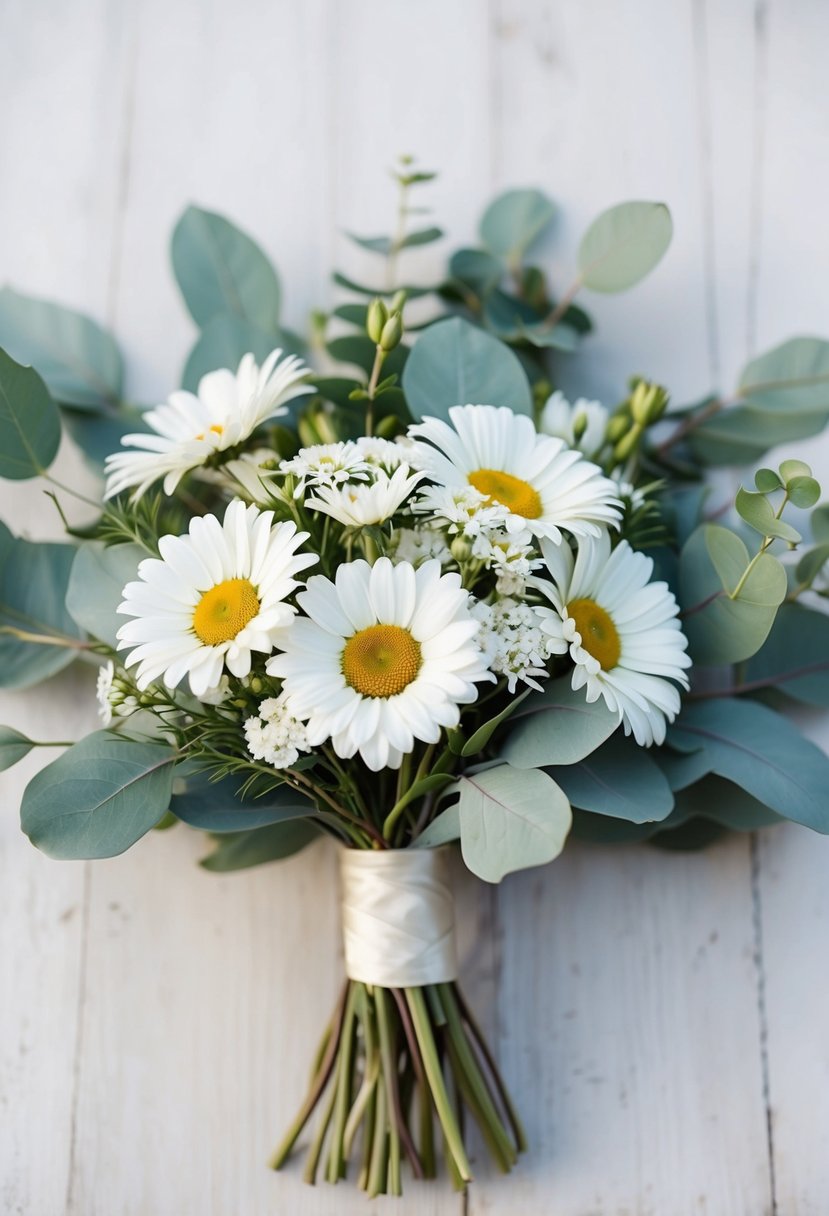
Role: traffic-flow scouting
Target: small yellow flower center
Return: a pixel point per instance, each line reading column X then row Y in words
column 224, row 610
column 517, row 495
column 381, row 661
column 217, row 429
column 598, row 633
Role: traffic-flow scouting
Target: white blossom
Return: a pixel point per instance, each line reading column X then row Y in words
column 515, row 645
column 276, row 736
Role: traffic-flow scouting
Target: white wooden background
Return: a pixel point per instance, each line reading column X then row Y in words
column 662, row 1018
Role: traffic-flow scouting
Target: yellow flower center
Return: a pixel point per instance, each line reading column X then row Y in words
column 217, row 429
column 598, row 633
column 381, row 661
column 517, row 495
column 224, row 610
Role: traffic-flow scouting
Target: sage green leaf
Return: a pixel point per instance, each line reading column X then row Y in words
column 742, row 435
column 412, row 292
column 215, row 806
column 384, row 244
column 514, row 220
column 819, row 519
column 220, row 269
column 241, row 850
column 78, row 360
column 767, row 480
column 624, row 244
column 98, row 435
column 803, row 492
column 223, row 341
column 479, row 739
column 760, row 751
column 96, row 587
column 455, row 363
column 476, row 268
column 99, row 797
column 557, row 726
column 792, row 378
column 29, row 422
column 361, row 351
column 619, row 779
column 758, row 513
column 13, row 747
column 33, row 582
column 510, row 820
column 721, row 630
column 811, row 563
column 442, row 830
column 795, row 658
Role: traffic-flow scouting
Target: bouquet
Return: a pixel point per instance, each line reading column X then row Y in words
column 419, row 598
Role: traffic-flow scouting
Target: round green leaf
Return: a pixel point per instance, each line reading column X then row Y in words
column 790, row 379
column 619, row 779
column 78, row 360
column 514, row 220
column 13, row 747
column 221, row 270
column 215, row 806
column 767, row 480
column 624, row 244
column 557, row 726
column 455, row 363
column 99, row 797
column 742, row 435
column 29, row 422
column 803, row 491
column 476, row 268
column 795, row 657
column 241, row 850
column 758, row 512
column 511, row 819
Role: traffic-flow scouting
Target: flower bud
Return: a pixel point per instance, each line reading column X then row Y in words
column 376, row 318
column 256, row 685
column 627, row 444
column 618, row 426
column 397, row 301
column 392, row 332
column 648, row 402
column 461, row 549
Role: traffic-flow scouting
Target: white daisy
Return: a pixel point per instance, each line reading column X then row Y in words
column 622, row 631
column 417, row 545
column 192, row 427
column 326, row 464
column 212, row 598
column 384, row 656
column 359, row 504
column 544, row 485
column 582, row 425
column 461, row 510
column 382, row 452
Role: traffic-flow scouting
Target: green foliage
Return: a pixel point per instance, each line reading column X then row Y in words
column 218, row 807
column 453, row 363
column 29, row 422
column 795, row 658
column 721, row 629
column 99, row 797
column 557, row 726
column 619, row 779
column 511, row 819
column 742, row 435
column 755, row 508
column 13, row 747
column 442, row 830
column 225, row 339
column 386, row 245
column 33, row 583
column 78, row 360
column 623, row 245
column 760, row 751
column 513, row 222
column 222, row 270
column 792, row 378
column 241, row 850
column 96, row 585
column 476, row 269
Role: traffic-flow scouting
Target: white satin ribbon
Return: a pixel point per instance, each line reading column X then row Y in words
column 398, row 917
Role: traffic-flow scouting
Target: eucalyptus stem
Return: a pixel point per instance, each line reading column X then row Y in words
column 767, row 542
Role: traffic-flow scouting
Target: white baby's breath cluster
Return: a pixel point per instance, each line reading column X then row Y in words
column 114, row 694
column 514, row 642
column 275, row 736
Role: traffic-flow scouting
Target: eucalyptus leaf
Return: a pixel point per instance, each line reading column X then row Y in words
column 455, row 363
column 220, row 269
column 790, row 378
column 758, row 513
column 412, row 291
column 557, row 726
column 477, row 269
column 741, row 435
column 803, row 492
column 619, row 779
column 795, row 658
column 760, row 751
column 442, row 830
column 96, row 587
column 623, row 245
column 33, row 583
column 479, row 739
column 511, row 820
column 385, row 245
column 811, row 563
column 514, row 220
column 215, row 806
column 78, row 360
column 99, row 797
column 98, row 435
column 29, row 422
column 13, row 747
column 241, row 850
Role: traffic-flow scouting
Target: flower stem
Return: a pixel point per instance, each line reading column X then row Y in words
column 431, row 1064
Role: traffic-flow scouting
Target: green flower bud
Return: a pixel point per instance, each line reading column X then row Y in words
column 618, row 426
column 256, row 685
column 648, row 402
column 397, row 301
column 461, row 549
column 627, row 444
column 377, row 317
column 392, row 332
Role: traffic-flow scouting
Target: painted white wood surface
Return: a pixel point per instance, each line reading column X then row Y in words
column 661, row 1018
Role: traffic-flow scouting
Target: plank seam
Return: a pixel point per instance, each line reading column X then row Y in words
column 702, row 73
column 761, row 42
column 762, row 1011
column 122, row 185
column 80, row 1018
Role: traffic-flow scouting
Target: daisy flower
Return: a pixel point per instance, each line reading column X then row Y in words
column 215, row 596
column 382, row 452
column 622, row 632
column 192, row 427
column 326, row 464
column 384, row 656
column 543, row 484
column 362, row 503
column 582, row 425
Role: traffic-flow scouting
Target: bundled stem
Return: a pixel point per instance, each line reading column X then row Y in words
column 392, row 1063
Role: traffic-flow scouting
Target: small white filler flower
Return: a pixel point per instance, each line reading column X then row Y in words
column 582, row 424
column 384, row 656
column 622, row 631
column 192, row 427
column 358, row 504
column 215, row 596
column 544, row 485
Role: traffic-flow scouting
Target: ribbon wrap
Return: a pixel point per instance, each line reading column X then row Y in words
column 398, row 917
